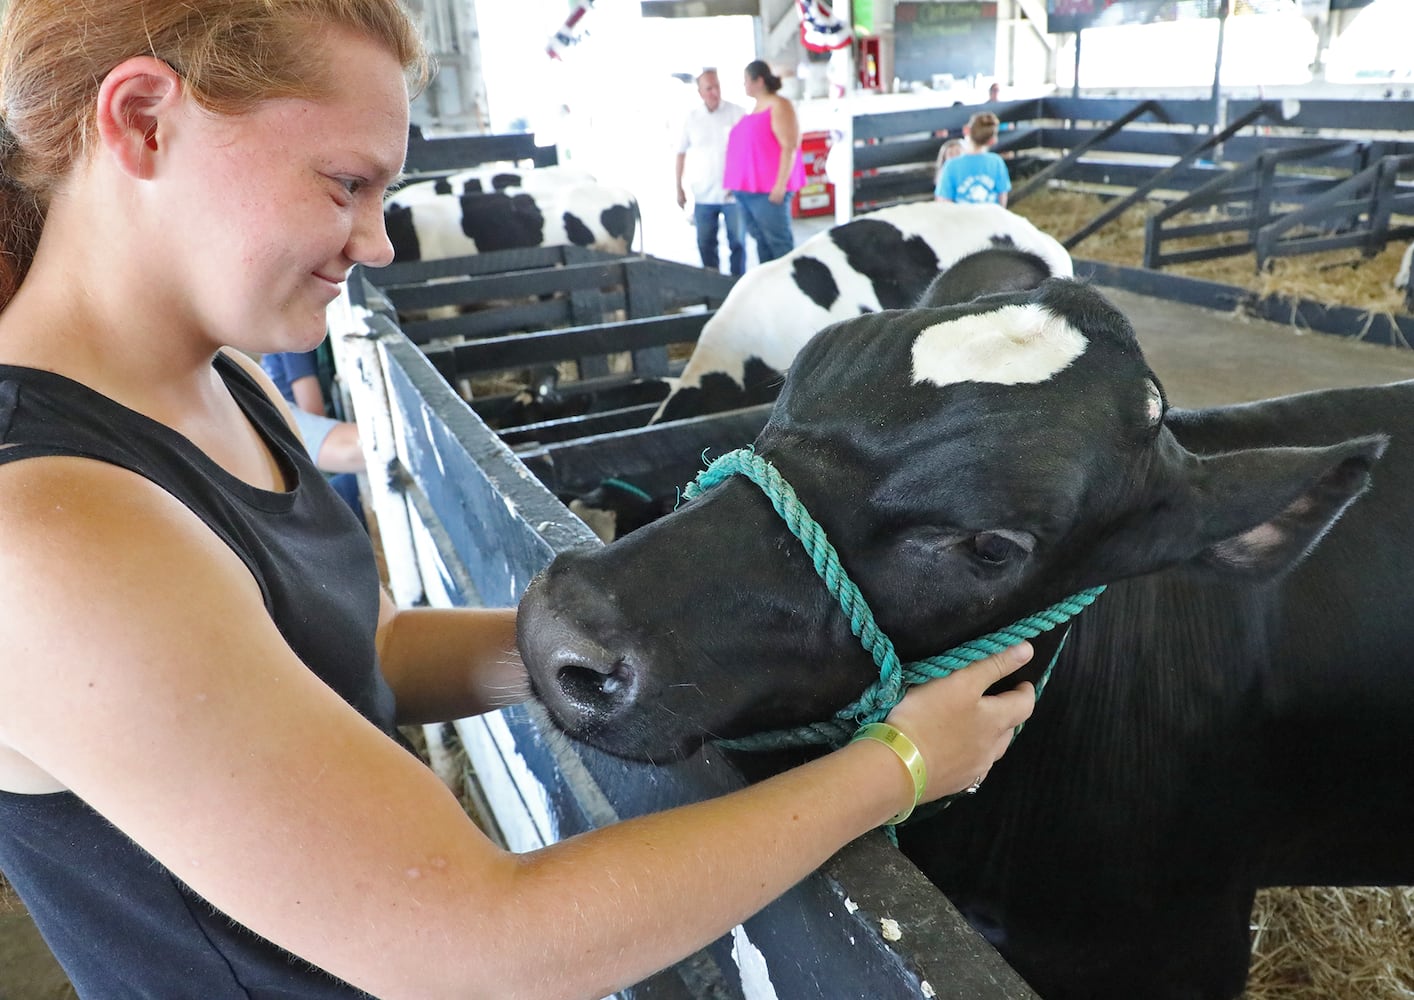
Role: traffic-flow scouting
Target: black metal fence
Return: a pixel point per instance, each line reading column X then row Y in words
column 1297, row 176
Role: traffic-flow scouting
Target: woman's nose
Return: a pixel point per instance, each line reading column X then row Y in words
column 368, row 241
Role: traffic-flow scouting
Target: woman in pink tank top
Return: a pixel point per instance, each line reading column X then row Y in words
column 763, row 164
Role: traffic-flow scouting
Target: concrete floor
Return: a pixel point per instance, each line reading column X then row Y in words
column 1202, row 357
column 1206, row 358
column 27, row 971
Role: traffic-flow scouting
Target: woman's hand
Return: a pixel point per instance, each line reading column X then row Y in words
column 960, row 730
column 778, row 194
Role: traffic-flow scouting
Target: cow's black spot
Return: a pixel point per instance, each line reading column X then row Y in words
column 472, row 186
column 579, row 234
column 898, row 268
column 442, row 186
column 401, row 233
column 763, row 383
column 502, row 222
column 689, row 402
column 1003, row 241
column 815, row 280
column 719, row 392
column 618, row 220
column 499, row 182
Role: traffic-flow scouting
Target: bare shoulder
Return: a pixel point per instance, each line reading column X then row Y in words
column 253, row 369
column 134, row 631
column 250, row 365
column 88, row 552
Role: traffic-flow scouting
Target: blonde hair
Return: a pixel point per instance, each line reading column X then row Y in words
column 949, row 149
column 231, row 54
column 982, row 128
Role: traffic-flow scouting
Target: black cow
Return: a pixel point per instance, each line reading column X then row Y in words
column 1234, row 712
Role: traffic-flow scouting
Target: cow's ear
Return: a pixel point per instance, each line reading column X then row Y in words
column 1259, row 512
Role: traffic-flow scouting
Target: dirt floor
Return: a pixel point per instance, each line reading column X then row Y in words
column 27, row 971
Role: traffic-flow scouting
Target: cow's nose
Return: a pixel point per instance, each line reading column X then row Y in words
column 595, row 688
column 586, row 680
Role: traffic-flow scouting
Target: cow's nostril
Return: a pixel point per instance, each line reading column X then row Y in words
column 601, row 690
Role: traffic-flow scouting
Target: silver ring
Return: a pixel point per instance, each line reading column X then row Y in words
column 976, row 784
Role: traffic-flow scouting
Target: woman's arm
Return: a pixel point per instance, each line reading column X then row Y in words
column 450, row 663
column 135, row 632
column 786, row 129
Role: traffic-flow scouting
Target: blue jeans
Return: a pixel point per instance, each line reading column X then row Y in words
column 705, row 218
column 769, row 225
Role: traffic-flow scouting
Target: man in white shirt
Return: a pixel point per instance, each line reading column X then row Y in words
column 704, row 134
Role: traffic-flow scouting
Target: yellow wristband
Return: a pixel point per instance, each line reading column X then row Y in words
column 882, row 732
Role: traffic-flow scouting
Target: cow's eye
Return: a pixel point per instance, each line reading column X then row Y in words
column 998, row 547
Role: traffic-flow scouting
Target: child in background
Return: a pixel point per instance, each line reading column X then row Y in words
column 978, row 176
column 950, row 149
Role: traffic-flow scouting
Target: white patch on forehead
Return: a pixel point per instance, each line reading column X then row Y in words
column 1006, row 346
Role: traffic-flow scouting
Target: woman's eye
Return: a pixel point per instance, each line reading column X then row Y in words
column 994, row 548
column 349, row 186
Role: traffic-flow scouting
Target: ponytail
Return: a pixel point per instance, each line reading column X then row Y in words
column 759, row 69
column 21, row 219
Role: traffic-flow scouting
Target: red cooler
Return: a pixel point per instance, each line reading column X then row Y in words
column 817, row 197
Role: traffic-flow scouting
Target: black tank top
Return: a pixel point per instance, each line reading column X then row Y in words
column 122, row 925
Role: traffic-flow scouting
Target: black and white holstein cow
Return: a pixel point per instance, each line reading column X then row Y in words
column 489, row 177
column 1234, row 712
column 616, row 507
column 461, row 215
column 499, row 207
column 883, row 260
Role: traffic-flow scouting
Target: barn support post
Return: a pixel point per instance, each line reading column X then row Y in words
column 1075, row 84
column 840, row 167
column 1218, row 60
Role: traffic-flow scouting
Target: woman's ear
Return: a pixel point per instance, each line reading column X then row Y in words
column 135, row 102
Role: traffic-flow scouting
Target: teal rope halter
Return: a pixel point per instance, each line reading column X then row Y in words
column 626, row 487
column 894, row 677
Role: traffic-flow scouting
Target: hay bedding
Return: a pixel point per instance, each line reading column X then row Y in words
column 1332, row 944
column 1339, row 277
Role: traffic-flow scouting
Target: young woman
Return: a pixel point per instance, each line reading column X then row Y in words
column 200, row 775
column 763, row 163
